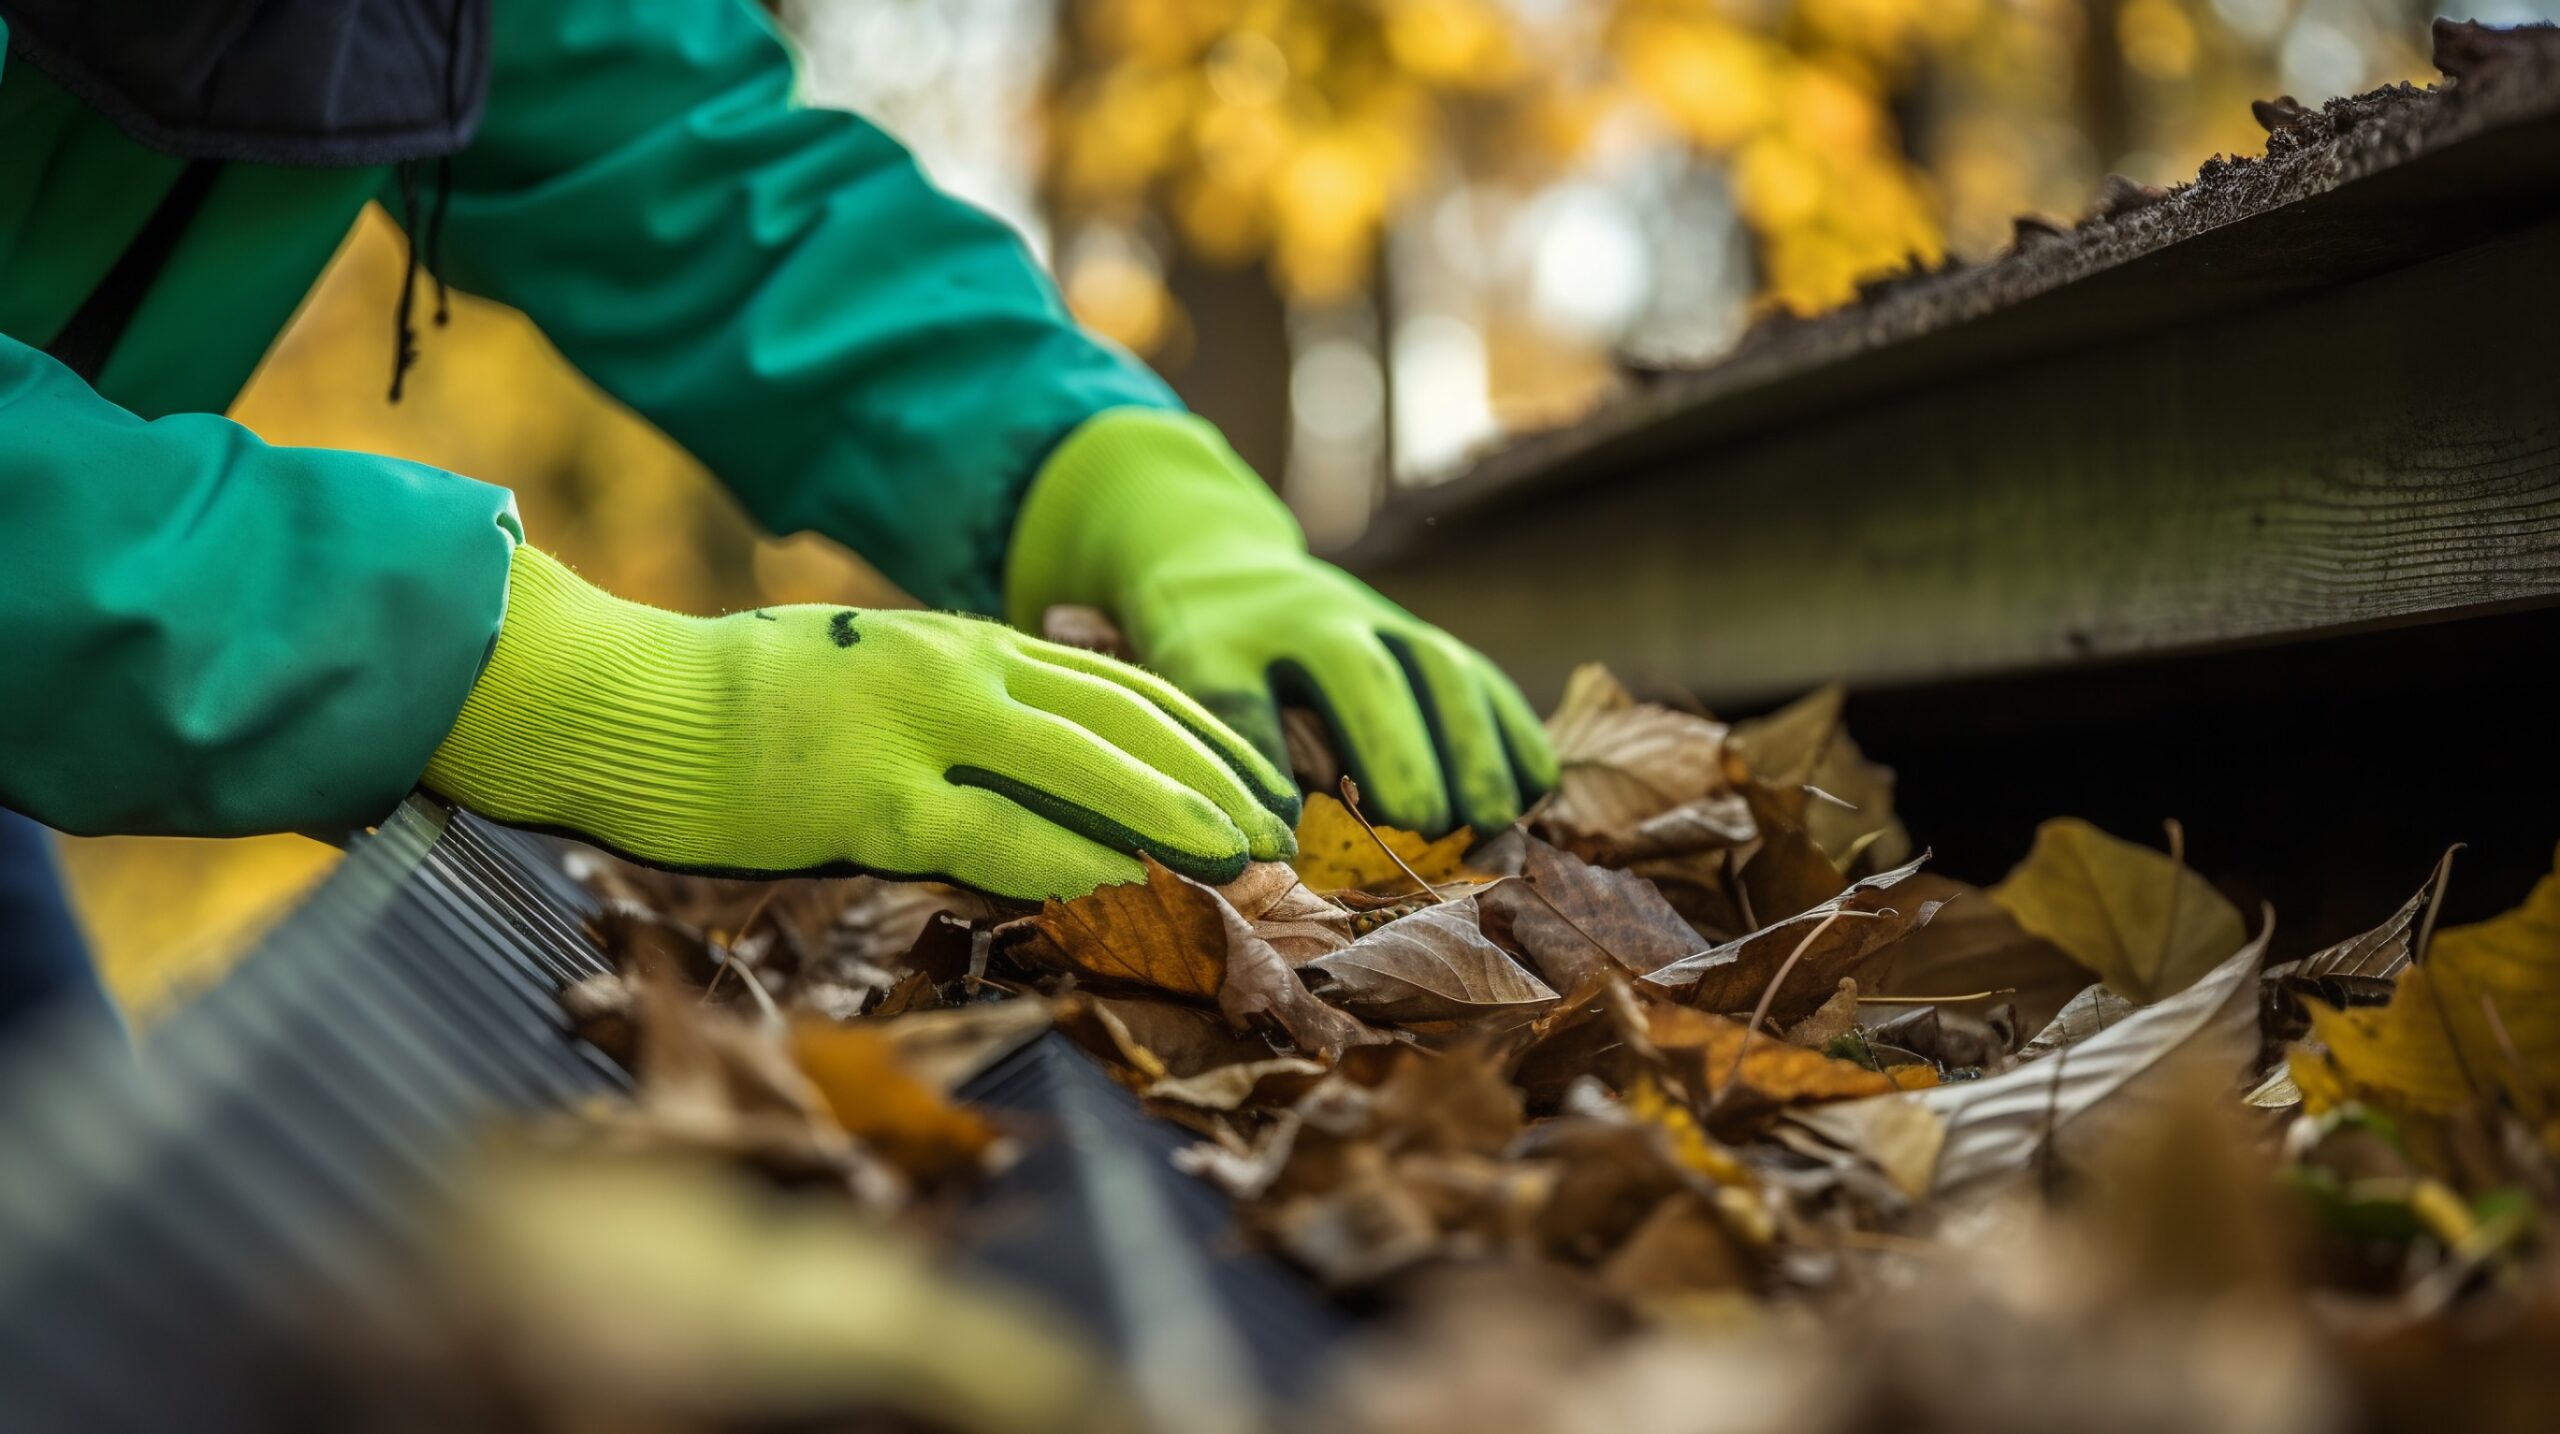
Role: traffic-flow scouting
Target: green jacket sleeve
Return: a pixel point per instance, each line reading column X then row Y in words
column 779, row 288
column 210, row 636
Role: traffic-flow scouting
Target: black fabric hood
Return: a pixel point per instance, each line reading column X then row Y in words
column 327, row 83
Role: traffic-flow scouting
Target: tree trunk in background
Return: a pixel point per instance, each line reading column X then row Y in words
column 2106, row 103
column 1238, row 373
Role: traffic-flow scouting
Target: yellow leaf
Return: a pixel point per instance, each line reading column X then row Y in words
column 1335, row 854
column 2479, row 1016
column 2138, row 918
column 871, row 1093
column 1690, row 1146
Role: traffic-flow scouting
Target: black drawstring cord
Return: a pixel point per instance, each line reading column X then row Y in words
column 435, row 236
column 404, row 335
column 404, row 339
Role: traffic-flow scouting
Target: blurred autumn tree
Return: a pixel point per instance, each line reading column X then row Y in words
column 1216, row 168
column 1354, row 231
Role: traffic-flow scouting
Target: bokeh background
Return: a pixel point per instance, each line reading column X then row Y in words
column 1369, row 237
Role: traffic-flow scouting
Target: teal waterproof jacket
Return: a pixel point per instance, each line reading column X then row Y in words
column 204, row 634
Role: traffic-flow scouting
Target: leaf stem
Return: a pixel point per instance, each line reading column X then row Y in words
column 1759, row 1013
column 1351, row 802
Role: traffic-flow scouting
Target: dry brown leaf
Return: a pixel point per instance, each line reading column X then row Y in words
column 1337, row 853
column 1734, row 976
column 1972, row 945
column 1179, row 1040
column 1259, row 983
column 882, row 921
column 1580, row 920
column 1623, row 763
column 709, row 1080
column 1434, row 965
column 1176, row 936
column 1282, row 910
column 1787, row 872
column 1166, row 933
column 1276, row 1080
column 1834, row 1018
column 1804, row 745
column 857, row 1069
column 949, row 1047
column 1680, row 1248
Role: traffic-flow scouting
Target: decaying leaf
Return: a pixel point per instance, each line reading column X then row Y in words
column 1282, row 910
column 1273, row 1081
column 1803, row 745
column 1337, row 853
column 1176, row 936
column 1624, row 763
column 1972, row 945
column 1260, row 984
column 1733, row 977
column 1434, row 965
column 2086, row 1015
column 1834, row 1018
column 1165, row 933
column 2139, row 918
column 1574, row 920
column 2478, row 1018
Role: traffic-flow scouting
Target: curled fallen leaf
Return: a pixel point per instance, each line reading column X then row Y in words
column 1436, row 964
column 1282, row 910
column 1734, row 977
column 1623, row 764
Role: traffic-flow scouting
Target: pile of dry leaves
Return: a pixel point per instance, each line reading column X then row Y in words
column 1695, row 1102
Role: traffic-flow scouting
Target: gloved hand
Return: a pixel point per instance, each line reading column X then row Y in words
column 1151, row 517
column 810, row 739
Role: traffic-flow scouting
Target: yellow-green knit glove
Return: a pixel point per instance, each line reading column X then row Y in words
column 1151, row 517
column 825, row 739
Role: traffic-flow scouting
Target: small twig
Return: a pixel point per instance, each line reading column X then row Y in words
column 1759, row 1013
column 729, row 948
column 1351, row 802
column 1936, row 1000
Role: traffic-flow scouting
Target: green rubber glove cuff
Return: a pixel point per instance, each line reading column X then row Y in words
column 1127, row 488
column 816, row 739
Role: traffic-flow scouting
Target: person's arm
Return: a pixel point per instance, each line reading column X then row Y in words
column 211, row 636
column 777, row 287
column 858, row 354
